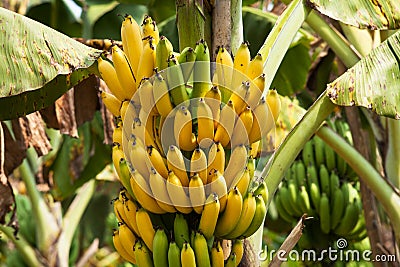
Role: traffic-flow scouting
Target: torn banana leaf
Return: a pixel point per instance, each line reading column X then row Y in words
column 39, row 64
column 373, row 82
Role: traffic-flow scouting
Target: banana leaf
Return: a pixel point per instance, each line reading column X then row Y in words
column 373, row 82
column 378, row 14
column 39, row 64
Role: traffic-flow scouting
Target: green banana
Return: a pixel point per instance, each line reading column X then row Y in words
column 337, row 203
column 186, row 61
column 349, row 219
column 307, row 154
column 201, row 74
column 304, row 201
column 334, row 182
column 160, row 248
column 200, row 248
column 294, row 197
column 324, row 180
column 286, row 201
column 258, row 219
column 181, row 230
column 251, row 165
column 262, row 190
column 301, row 175
column 231, row 260
column 164, row 49
column 346, row 193
column 125, row 176
column 324, row 214
column 330, row 158
column 176, row 82
column 319, row 150
column 281, row 210
column 174, row 255
column 313, row 185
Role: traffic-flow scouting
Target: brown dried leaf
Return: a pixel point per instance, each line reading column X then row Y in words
column 65, row 113
column 15, row 149
column 86, row 100
column 108, row 118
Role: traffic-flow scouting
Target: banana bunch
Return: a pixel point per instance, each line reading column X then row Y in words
column 317, row 185
column 184, row 147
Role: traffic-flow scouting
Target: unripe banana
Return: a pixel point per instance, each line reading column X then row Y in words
column 176, row 163
column 125, row 176
column 319, row 149
column 158, row 186
column 216, row 160
column 330, row 157
column 242, row 128
column 236, row 164
column 259, row 217
column 163, row 50
column 198, row 164
column 201, row 250
column 304, row 201
column 132, row 41
column 201, row 72
column 274, row 103
column 147, row 60
column 125, row 74
column 174, row 255
column 262, row 190
column 281, row 210
column 158, row 162
column 349, row 220
column 178, row 194
column 262, row 121
column 300, row 171
column 160, row 248
column 239, row 97
column 286, row 201
column 209, row 216
column 128, row 256
column 112, row 103
column 217, row 255
column 176, row 82
column 231, row 260
column 196, row 193
column 213, row 100
column 145, row 227
column 109, row 75
column 255, row 67
column 308, row 154
column 161, row 96
column 205, row 124
column 230, row 217
column 238, row 249
column 224, row 71
column 246, row 217
column 313, row 185
column 324, row 214
column 142, row 254
column 337, row 207
column 324, row 180
column 186, row 61
column 226, row 123
column 181, row 230
column 294, row 197
column 187, row 256
column 149, row 28
column 184, row 137
column 130, row 207
column 334, row 182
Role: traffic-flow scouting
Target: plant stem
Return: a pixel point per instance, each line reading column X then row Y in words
column 237, row 25
column 392, row 159
column 381, row 189
column 24, row 248
column 47, row 228
column 71, row 220
column 221, row 20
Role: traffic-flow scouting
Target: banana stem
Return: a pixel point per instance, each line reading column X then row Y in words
column 221, row 20
column 47, row 228
column 24, row 248
column 392, row 159
column 389, row 199
column 237, row 25
column 71, row 220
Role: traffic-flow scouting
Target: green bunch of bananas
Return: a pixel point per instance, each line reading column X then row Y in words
column 185, row 145
column 321, row 184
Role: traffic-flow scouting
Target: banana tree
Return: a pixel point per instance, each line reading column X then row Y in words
column 52, row 67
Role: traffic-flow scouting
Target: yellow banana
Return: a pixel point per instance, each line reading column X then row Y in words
column 161, row 96
column 218, row 186
column 216, row 160
column 263, row 121
column 224, row 70
column 163, row 50
column 240, row 63
column 274, row 103
column 255, row 67
column 196, row 193
column 242, row 128
column 147, row 61
column 142, row 254
column 217, row 255
column 226, row 123
column 255, row 92
column 109, row 75
column 117, row 154
column 205, row 124
column 127, row 238
column 127, row 109
column 260, row 82
column 138, row 156
column 132, row 41
column 184, row 137
column 158, row 162
column 230, row 217
column 246, row 217
column 239, row 97
column 236, row 165
column 112, row 103
column 176, row 163
column 187, row 256
column 213, row 100
column 178, row 194
column 149, row 28
column 130, row 207
column 198, row 164
column 145, row 227
column 200, row 248
column 209, row 216
column 118, row 206
column 140, row 132
column 158, row 187
column 243, row 182
column 128, row 256
column 117, row 134
column 143, row 194
column 238, row 249
column 125, row 74
column 147, row 102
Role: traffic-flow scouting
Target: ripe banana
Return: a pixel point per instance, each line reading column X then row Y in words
column 240, row 64
column 196, row 193
column 158, row 162
column 138, row 156
column 149, row 28
column 174, row 255
column 147, row 60
column 231, row 215
column 147, row 102
column 255, row 67
column 258, row 219
column 127, row 238
column 205, row 124
column 145, row 227
column 158, row 186
column 239, row 97
column 128, row 256
column 112, row 103
column 198, row 164
column 224, row 71
column 187, row 256
column 181, row 230
column 274, row 103
column 125, row 74
column 209, row 216
column 238, row 249
column 160, row 248
column 216, row 160
column 184, row 137
column 177, row 194
column 243, row 182
column 132, row 41
column 226, row 123
column 129, row 209
column 213, row 100
column 176, row 164
column 142, row 254
column 217, row 255
column 109, row 75
column 236, row 165
column 161, row 96
column 262, row 122
column 242, row 128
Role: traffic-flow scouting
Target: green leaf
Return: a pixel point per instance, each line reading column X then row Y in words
column 373, row 82
column 39, row 64
column 378, row 14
